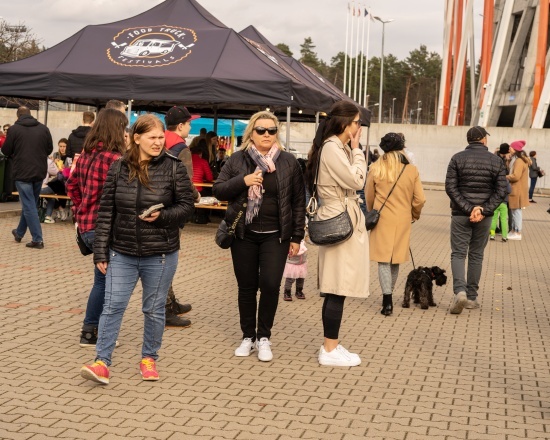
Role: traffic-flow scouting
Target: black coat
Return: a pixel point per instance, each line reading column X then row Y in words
column 76, row 139
column 118, row 225
column 29, row 143
column 230, row 186
column 476, row 177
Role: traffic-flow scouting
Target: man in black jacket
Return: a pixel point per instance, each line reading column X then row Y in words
column 476, row 185
column 28, row 144
column 76, row 138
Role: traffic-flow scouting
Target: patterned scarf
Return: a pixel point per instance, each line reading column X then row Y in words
column 255, row 192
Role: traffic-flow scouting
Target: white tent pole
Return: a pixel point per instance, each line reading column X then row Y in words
column 367, row 65
column 361, row 91
column 129, row 110
column 351, row 50
column 287, row 129
column 357, row 52
column 346, row 52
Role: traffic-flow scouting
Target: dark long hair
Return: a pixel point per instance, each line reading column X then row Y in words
column 139, row 168
column 340, row 116
column 108, row 129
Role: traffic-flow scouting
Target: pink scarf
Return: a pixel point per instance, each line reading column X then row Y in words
column 266, row 164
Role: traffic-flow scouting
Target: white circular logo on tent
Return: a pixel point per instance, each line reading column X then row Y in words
column 151, row 46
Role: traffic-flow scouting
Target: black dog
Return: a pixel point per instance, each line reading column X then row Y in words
column 419, row 284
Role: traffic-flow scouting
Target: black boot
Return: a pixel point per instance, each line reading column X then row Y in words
column 300, row 294
column 88, row 336
column 180, row 309
column 387, row 305
column 287, row 296
column 173, row 320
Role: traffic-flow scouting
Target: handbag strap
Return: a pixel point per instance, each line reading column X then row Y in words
column 392, row 188
column 236, row 221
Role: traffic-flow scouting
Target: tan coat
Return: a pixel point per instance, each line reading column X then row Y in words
column 343, row 268
column 390, row 239
column 519, row 179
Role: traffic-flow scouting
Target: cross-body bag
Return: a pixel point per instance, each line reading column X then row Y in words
column 84, row 249
column 331, row 231
column 372, row 216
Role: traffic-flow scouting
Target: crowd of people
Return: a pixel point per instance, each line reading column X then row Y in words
column 133, row 190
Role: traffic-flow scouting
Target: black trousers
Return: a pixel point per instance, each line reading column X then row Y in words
column 259, row 262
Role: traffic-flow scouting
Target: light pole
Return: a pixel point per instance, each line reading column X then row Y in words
column 382, row 65
column 392, row 109
column 411, row 116
column 418, row 110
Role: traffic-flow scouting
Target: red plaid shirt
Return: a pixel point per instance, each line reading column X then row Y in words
column 85, row 187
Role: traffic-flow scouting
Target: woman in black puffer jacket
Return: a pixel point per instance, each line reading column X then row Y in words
column 128, row 247
column 265, row 185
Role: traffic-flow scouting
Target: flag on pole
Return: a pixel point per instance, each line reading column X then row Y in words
column 358, row 11
column 366, row 12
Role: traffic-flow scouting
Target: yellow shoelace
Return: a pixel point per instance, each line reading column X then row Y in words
column 149, row 364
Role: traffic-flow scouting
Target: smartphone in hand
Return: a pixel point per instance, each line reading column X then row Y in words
column 150, row 210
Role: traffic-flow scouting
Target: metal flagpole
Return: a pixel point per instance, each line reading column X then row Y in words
column 367, row 63
column 357, row 52
column 364, row 92
column 346, row 52
column 351, row 50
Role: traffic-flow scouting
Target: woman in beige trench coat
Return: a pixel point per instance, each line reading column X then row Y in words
column 344, row 267
column 389, row 240
column 519, row 180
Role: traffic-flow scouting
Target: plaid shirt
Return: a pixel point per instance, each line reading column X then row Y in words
column 85, row 187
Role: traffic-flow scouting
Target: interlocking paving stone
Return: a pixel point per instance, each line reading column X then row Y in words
column 480, row 375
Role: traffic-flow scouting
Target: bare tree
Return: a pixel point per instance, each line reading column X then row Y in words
column 17, row 42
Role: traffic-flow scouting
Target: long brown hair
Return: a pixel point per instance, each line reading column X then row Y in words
column 108, row 129
column 523, row 156
column 139, row 168
column 341, row 114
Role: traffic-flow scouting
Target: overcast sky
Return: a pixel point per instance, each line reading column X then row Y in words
column 281, row 21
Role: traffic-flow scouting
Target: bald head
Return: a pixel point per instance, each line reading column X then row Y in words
column 23, row 111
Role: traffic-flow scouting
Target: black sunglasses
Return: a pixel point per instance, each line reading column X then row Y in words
column 271, row 130
column 358, row 122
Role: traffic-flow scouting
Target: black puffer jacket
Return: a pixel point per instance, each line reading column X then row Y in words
column 118, row 225
column 230, row 186
column 475, row 177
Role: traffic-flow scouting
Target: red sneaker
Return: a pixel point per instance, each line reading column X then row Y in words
column 98, row 372
column 148, row 369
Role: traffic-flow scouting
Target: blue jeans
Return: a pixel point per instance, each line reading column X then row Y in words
column 97, row 294
column 29, row 193
column 156, row 273
column 517, row 217
column 532, row 187
column 468, row 239
column 51, row 202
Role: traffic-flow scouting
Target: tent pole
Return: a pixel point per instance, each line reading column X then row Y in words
column 129, row 110
column 316, row 121
column 46, row 115
column 288, row 128
column 216, row 118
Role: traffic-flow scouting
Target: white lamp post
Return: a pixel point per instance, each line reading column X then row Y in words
column 382, row 65
column 392, row 109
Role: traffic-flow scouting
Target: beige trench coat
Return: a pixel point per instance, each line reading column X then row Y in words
column 390, row 239
column 343, row 268
column 519, row 179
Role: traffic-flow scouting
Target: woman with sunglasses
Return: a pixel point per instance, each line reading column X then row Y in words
column 265, row 190
column 344, row 267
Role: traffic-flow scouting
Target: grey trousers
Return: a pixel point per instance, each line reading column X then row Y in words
column 468, row 239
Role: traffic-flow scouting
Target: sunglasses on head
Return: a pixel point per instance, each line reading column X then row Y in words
column 261, row 130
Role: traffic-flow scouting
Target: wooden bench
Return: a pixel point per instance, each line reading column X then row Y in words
column 47, row 196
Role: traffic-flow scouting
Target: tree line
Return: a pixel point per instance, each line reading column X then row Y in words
column 414, row 82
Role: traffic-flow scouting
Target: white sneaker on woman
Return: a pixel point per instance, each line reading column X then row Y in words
column 514, row 236
column 264, row 350
column 339, row 357
column 49, row 219
column 246, row 347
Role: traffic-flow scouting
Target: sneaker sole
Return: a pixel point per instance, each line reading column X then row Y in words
column 287, row 299
column 150, row 379
column 245, row 355
column 337, row 364
column 265, row 359
column 457, row 308
column 86, row 373
column 94, row 345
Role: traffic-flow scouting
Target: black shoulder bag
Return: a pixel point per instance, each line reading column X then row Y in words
column 84, row 249
column 372, row 216
column 331, row 231
column 226, row 235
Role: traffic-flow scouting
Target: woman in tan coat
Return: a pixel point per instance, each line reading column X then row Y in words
column 344, row 267
column 389, row 240
column 519, row 179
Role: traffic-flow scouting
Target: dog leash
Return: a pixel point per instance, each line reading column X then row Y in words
column 412, row 259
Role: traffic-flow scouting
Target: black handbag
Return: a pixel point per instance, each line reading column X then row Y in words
column 84, row 250
column 226, row 235
column 372, row 216
column 331, row 231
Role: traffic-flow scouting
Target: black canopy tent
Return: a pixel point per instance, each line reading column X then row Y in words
column 175, row 53
column 305, row 73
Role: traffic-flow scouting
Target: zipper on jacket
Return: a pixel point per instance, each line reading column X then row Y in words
column 138, row 228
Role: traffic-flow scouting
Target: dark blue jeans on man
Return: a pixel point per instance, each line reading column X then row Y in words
column 468, row 240
column 97, row 294
column 29, row 194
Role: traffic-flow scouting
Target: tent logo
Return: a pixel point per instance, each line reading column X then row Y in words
column 151, row 46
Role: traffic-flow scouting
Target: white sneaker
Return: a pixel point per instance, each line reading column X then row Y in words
column 514, row 236
column 48, row 219
column 264, row 350
column 339, row 357
column 459, row 302
column 246, row 347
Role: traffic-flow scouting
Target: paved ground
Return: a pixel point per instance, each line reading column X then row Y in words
column 425, row 374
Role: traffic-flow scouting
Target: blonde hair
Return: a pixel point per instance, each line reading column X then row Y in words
column 387, row 167
column 247, row 136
